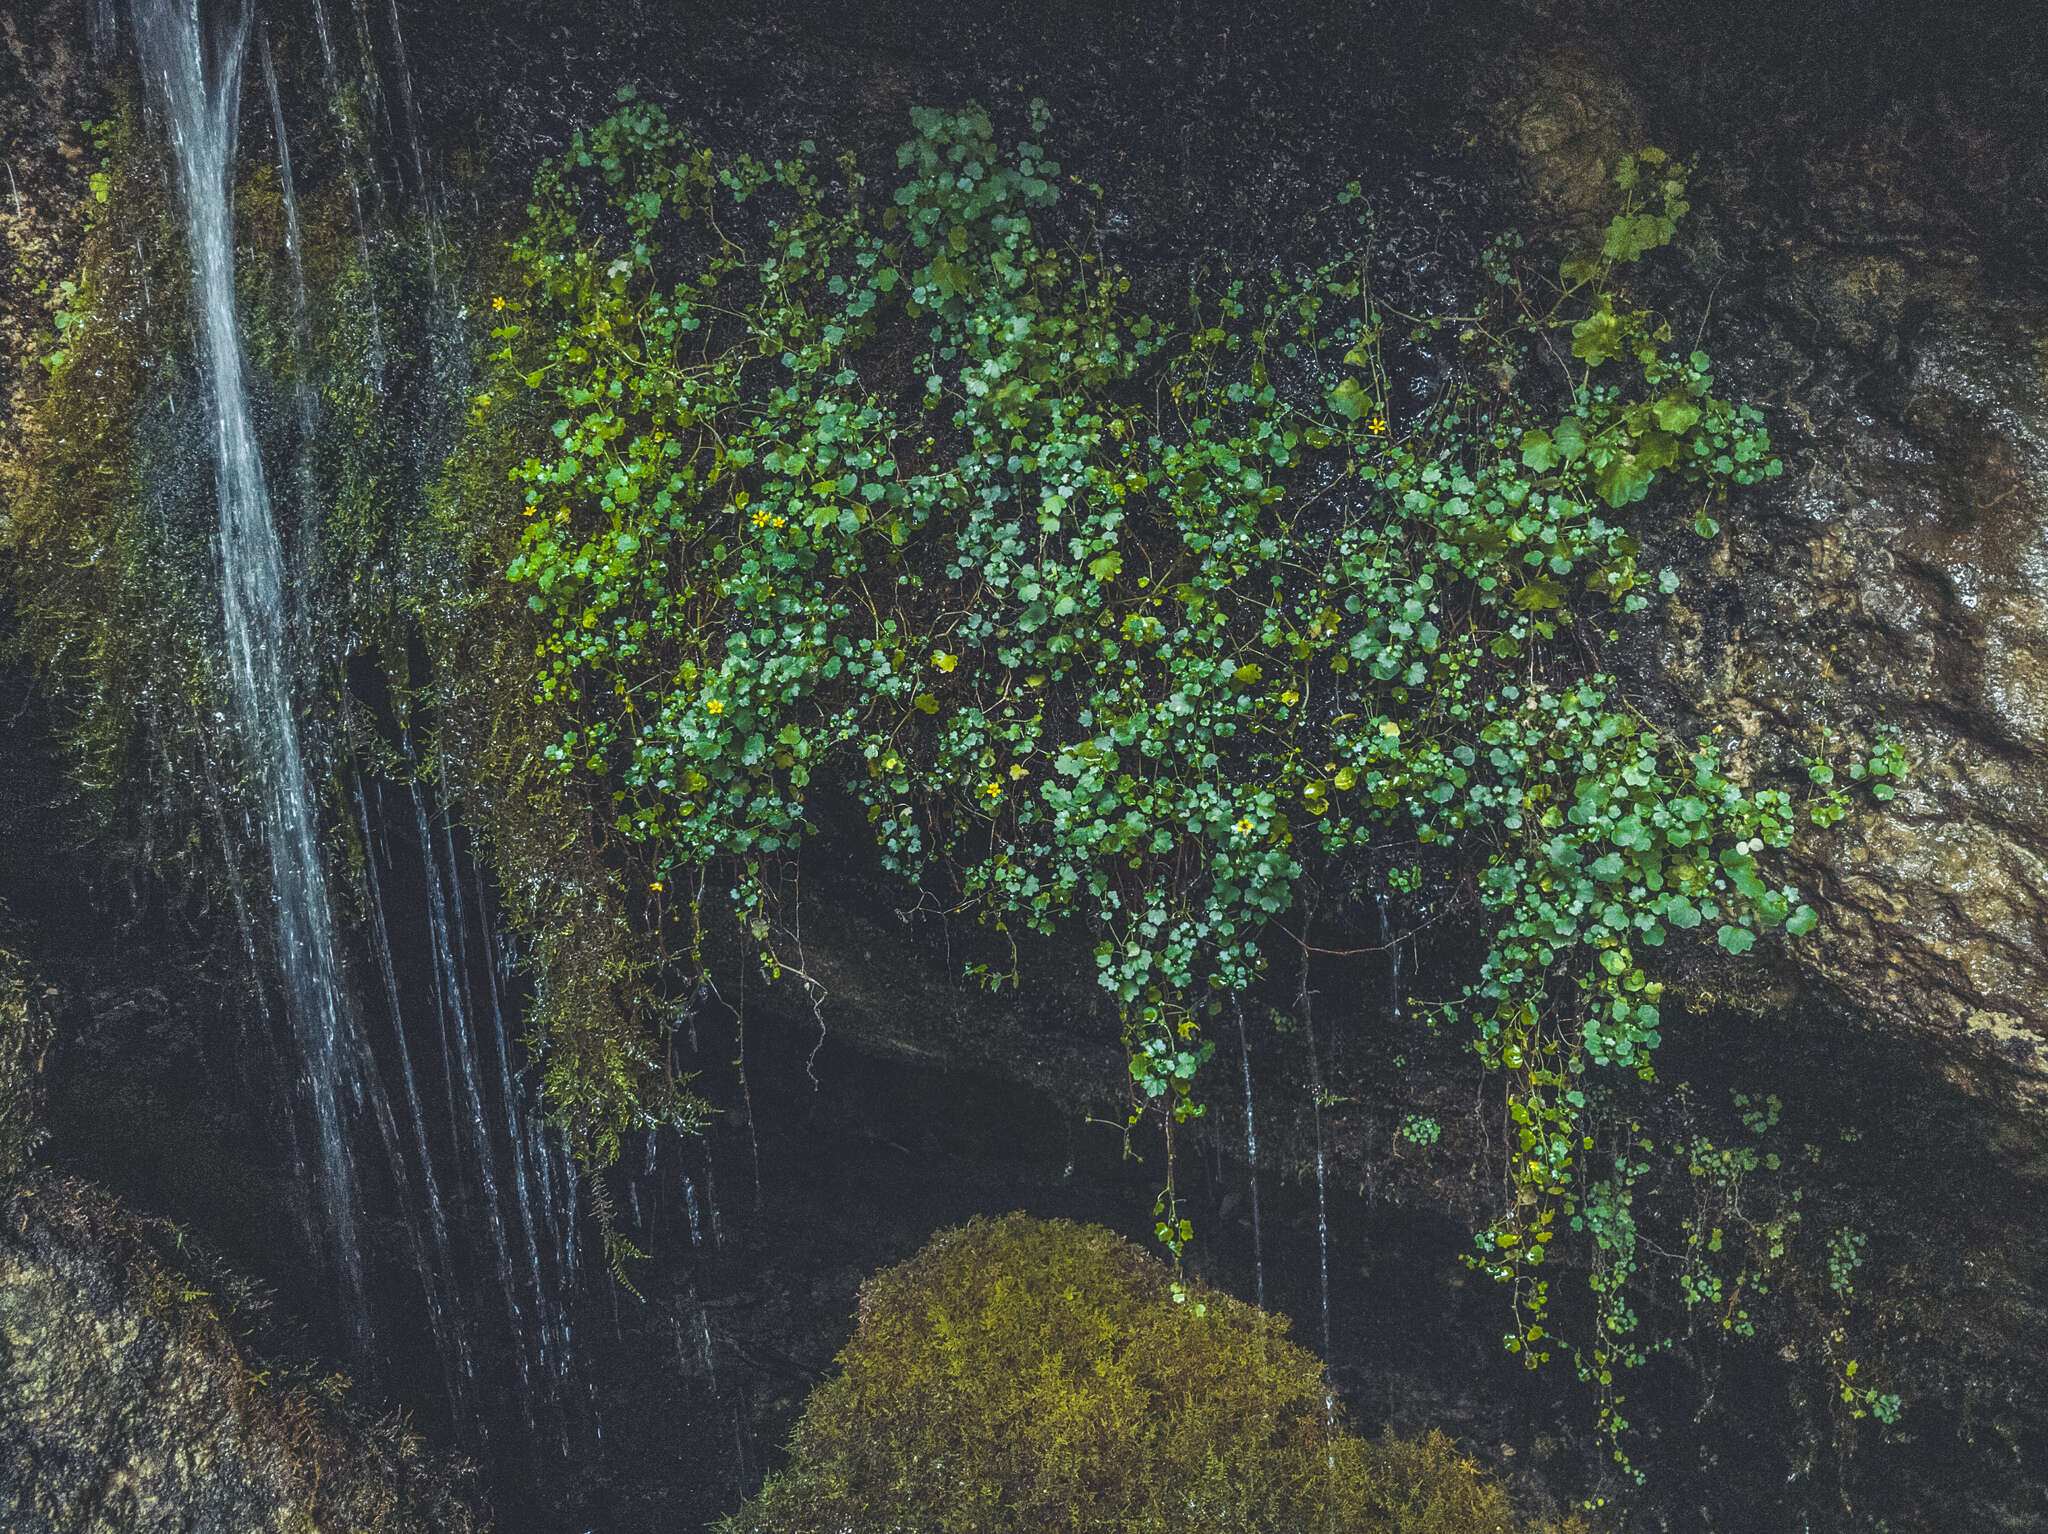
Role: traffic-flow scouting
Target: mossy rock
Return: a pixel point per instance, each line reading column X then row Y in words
column 24, row 1035
column 1020, row 1374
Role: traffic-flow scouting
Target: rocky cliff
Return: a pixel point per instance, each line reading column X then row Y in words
column 1864, row 258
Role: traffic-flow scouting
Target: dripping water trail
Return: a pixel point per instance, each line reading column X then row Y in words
column 198, row 78
column 547, row 1335
column 428, row 211
column 345, row 131
column 1251, row 1151
column 1317, row 1097
column 326, row 41
column 1392, row 949
column 472, row 1123
column 302, row 328
column 446, row 1311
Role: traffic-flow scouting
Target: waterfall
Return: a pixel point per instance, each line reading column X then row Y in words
column 198, row 78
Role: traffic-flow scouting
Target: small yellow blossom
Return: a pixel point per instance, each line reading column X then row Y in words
column 655, row 886
column 1244, row 827
column 497, row 303
column 1377, row 425
column 992, row 790
column 714, row 706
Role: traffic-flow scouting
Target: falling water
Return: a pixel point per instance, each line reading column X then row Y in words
column 1316, row 1097
column 1251, row 1151
column 460, row 1062
column 293, row 242
column 446, row 1312
column 326, row 41
column 1392, row 948
column 346, row 132
column 710, row 1365
column 412, row 116
column 199, row 79
column 302, row 323
column 690, row 1206
column 520, row 1135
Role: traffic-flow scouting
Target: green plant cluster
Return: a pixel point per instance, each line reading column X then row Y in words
column 1721, row 1214
column 1021, row 1374
column 1146, row 626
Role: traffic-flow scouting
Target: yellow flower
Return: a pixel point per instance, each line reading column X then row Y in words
column 760, row 517
column 1244, row 827
column 992, row 790
column 1377, row 424
column 497, row 303
column 655, row 886
column 714, row 707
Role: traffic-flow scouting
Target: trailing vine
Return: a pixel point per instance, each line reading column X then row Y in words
column 1140, row 625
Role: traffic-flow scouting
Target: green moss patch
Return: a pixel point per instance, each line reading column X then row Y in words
column 1023, row 1374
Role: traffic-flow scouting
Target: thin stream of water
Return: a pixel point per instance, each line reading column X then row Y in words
column 447, row 1314
column 1251, row 1152
column 198, row 79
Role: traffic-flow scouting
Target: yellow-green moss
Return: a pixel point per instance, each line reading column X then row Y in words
column 91, row 569
column 594, row 968
column 1022, row 1375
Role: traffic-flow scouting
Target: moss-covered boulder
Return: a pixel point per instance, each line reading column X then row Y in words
column 130, row 1399
column 1022, row 1374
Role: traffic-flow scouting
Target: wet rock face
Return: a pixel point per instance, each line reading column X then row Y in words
column 1870, row 300
column 127, row 1404
column 1911, row 572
